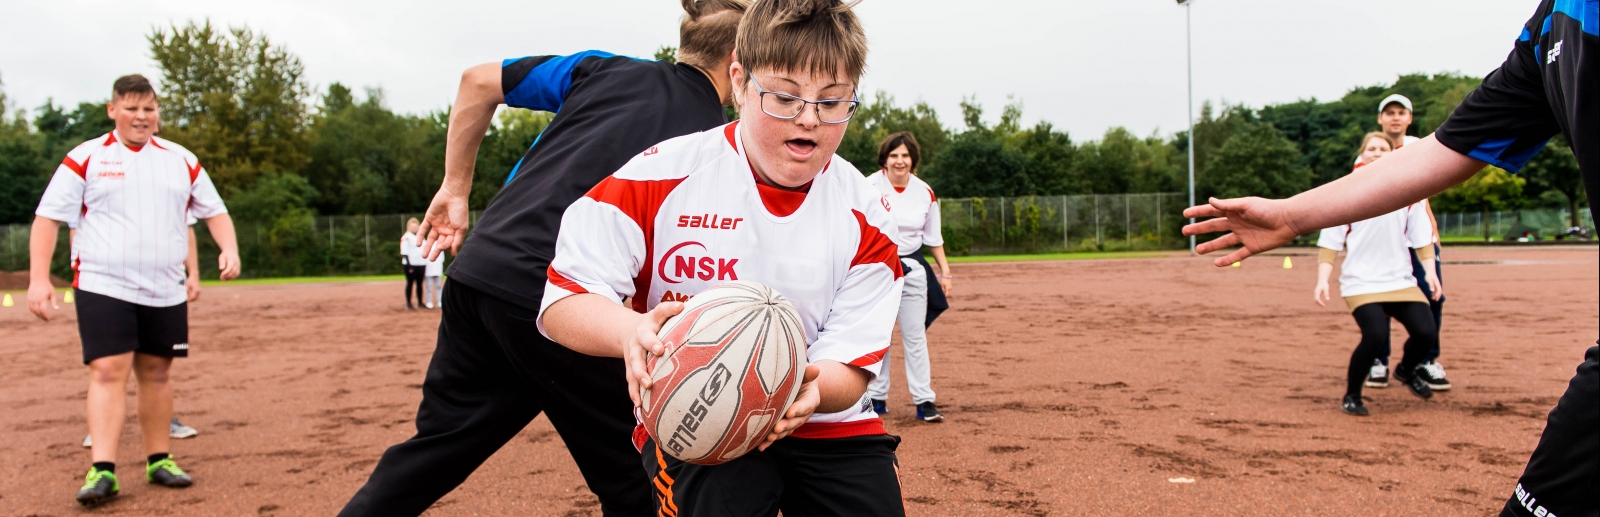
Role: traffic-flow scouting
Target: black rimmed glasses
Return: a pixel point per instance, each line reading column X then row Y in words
column 786, row 107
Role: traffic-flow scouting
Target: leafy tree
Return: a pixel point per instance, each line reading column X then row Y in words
column 1490, row 189
column 366, row 159
column 234, row 99
column 24, row 169
column 1556, row 169
column 508, row 140
column 667, row 53
column 878, row 118
column 1052, row 160
column 1257, row 161
column 978, row 162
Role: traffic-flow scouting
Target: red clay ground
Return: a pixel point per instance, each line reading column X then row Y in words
column 1072, row 388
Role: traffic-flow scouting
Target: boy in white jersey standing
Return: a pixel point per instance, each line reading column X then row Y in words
column 762, row 199
column 130, row 195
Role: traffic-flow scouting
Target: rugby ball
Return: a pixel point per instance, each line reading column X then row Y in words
column 733, row 362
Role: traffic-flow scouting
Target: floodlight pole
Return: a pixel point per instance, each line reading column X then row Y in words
column 1189, row 47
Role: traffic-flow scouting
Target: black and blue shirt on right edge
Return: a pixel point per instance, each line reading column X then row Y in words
column 1547, row 86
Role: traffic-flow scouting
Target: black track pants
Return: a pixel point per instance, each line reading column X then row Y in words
column 1373, row 318
column 1563, row 475
column 414, row 283
column 491, row 374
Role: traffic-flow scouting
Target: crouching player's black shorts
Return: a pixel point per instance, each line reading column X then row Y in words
column 109, row 326
column 802, row 477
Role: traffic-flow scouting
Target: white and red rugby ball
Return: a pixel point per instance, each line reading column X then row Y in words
column 733, row 363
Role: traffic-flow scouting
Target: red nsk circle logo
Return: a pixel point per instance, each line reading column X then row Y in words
column 689, row 267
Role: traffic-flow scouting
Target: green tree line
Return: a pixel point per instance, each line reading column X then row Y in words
column 282, row 151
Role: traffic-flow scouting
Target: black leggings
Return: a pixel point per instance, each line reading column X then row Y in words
column 1373, row 318
column 414, row 283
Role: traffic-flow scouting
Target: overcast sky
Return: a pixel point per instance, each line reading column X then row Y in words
column 1084, row 65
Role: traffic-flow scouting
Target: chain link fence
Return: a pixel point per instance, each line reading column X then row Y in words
column 1539, row 224
column 1054, row 224
column 370, row 244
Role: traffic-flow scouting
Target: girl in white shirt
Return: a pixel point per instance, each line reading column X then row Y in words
column 916, row 216
column 433, row 282
column 1376, row 284
column 412, row 261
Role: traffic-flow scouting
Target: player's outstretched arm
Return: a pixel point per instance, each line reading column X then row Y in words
column 41, row 246
column 1406, row 176
column 221, row 227
column 191, row 268
column 445, row 224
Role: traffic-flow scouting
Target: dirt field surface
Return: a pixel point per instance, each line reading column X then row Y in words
column 1071, row 388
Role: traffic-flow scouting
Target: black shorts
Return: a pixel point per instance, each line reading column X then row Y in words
column 802, row 477
column 109, row 326
column 1564, row 471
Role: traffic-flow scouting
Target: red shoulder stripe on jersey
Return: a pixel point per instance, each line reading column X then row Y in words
column 932, row 198
column 157, row 144
column 194, row 170
column 728, row 131
column 869, row 359
column 820, row 431
column 561, row 281
column 81, row 169
column 875, row 247
column 111, row 138
column 639, row 200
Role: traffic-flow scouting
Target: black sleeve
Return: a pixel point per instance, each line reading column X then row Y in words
column 1507, row 119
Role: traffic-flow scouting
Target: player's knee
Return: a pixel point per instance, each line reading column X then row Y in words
column 108, row 370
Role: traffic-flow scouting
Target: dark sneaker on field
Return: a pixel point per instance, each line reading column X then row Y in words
column 1353, row 406
column 880, row 406
column 1414, row 382
column 928, row 413
column 1433, row 374
column 1378, row 376
column 99, row 486
column 166, row 473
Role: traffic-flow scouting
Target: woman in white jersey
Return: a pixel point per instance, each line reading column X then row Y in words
column 412, row 262
column 916, row 218
column 1376, row 284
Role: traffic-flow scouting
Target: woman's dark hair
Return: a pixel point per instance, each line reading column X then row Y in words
column 893, row 142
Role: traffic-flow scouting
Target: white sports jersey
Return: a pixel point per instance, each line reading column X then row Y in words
column 688, row 214
column 1378, row 256
column 916, row 213
column 131, row 206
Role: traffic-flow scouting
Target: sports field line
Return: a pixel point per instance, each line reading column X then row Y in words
column 1088, row 255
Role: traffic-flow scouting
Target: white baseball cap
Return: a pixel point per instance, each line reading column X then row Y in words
column 1393, row 99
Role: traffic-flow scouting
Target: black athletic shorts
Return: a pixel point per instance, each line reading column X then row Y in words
column 1563, row 475
column 109, row 326
column 802, row 477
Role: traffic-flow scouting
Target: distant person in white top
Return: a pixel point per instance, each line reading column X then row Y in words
column 916, row 219
column 1394, row 117
column 413, row 262
column 433, row 282
column 130, row 196
column 1376, row 284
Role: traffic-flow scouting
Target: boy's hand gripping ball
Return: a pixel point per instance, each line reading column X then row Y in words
column 734, row 361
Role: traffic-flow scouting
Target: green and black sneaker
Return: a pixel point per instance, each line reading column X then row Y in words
column 98, row 487
column 166, row 473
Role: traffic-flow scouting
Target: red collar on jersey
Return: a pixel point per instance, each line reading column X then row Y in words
column 899, row 190
column 111, row 138
column 781, row 202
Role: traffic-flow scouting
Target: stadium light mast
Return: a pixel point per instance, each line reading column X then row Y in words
column 1188, row 40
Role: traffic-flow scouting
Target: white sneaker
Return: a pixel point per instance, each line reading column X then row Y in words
column 88, row 441
column 1433, row 374
column 428, row 305
column 1378, row 376
column 180, row 431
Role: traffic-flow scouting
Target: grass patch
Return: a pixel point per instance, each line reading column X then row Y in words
column 1090, row 255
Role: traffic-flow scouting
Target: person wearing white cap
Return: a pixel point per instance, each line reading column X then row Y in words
column 1394, row 118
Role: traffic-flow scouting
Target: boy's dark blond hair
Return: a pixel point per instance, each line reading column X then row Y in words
column 821, row 37
column 706, row 35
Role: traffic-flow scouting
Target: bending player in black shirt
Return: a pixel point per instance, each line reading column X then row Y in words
column 492, row 371
column 1544, row 87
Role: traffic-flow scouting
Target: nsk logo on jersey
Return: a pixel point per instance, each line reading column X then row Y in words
column 688, row 261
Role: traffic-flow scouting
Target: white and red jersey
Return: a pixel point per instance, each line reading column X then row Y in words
column 1377, row 255
column 915, row 214
column 131, row 207
column 688, row 214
